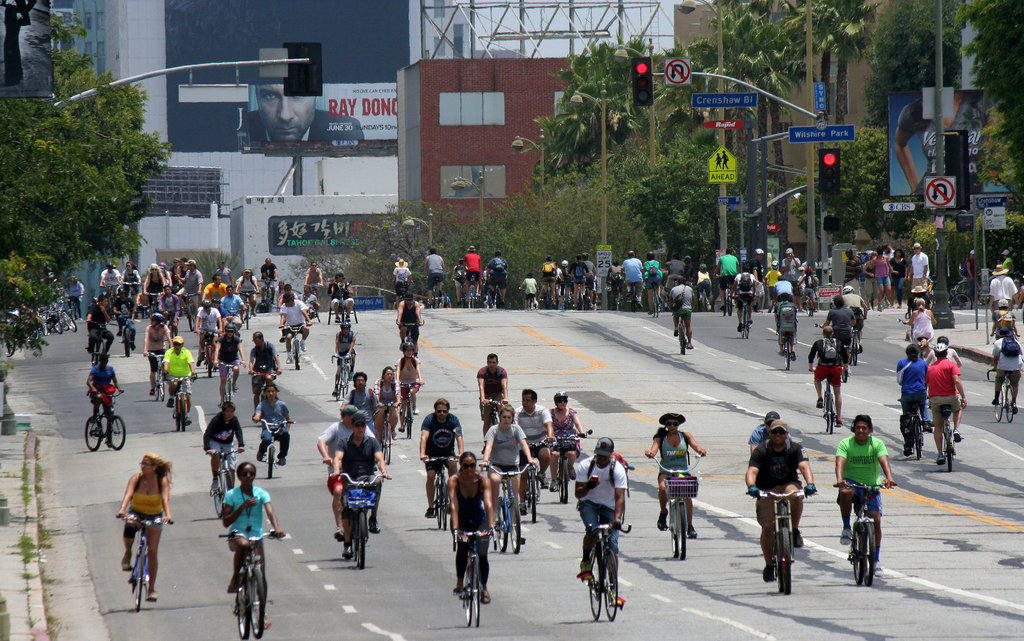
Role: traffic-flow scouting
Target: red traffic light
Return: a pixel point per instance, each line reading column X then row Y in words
column 641, row 67
column 829, row 159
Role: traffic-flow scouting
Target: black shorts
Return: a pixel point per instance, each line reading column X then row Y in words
column 434, row 279
column 436, row 465
column 155, row 357
column 725, row 282
column 473, row 277
column 497, row 280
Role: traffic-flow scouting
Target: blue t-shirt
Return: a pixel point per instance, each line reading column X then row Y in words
column 275, row 413
column 102, row 376
column 913, row 375
column 250, row 521
column 784, row 287
column 633, row 269
column 231, row 304
column 441, row 436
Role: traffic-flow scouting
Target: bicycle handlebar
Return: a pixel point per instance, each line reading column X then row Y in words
column 145, row 522
column 515, row 473
column 437, row 459
column 479, row 534
column 763, row 494
column 689, row 470
column 625, row 529
column 351, row 482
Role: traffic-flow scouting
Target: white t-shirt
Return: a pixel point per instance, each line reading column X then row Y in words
column 335, row 433
column 1002, row 287
column 110, row 277
column 293, row 315
column 1006, row 363
column 533, row 422
column 402, row 274
column 604, row 493
column 919, row 265
column 209, row 319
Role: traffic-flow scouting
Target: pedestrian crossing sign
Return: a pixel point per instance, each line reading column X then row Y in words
column 721, row 167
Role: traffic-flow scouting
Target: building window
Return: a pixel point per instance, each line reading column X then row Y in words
column 492, row 176
column 439, row 10
column 100, row 22
column 459, row 40
column 88, row 48
column 88, row 19
column 558, row 99
column 471, row 108
column 101, row 49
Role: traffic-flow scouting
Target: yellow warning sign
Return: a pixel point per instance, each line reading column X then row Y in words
column 721, row 167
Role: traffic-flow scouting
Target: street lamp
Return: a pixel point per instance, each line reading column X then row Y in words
column 689, row 6
column 577, row 101
column 412, row 220
column 622, row 55
column 519, row 144
column 460, row 183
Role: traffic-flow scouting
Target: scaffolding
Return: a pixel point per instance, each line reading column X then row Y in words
column 185, row 191
column 484, row 29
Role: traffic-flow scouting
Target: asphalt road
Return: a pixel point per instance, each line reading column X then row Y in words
column 952, row 549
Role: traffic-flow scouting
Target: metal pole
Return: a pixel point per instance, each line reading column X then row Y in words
column 940, row 308
column 604, row 172
column 297, row 176
column 723, row 220
column 764, row 185
column 542, row 165
column 974, row 299
column 809, row 152
column 480, row 188
column 752, row 190
column 984, row 263
column 654, row 153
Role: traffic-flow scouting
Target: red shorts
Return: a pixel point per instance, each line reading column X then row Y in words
column 333, row 482
column 834, row 374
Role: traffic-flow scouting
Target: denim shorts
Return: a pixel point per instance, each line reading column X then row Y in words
column 882, row 281
column 593, row 514
column 874, row 502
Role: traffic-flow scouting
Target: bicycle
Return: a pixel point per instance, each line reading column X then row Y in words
column 787, row 347
column 387, row 433
column 656, row 305
column 564, row 445
column 947, row 436
column 126, row 340
column 862, row 542
column 360, row 497
column 532, row 494
column 829, row 409
column 492, row 407
column 209, row 350
column 472, row 589
column 783, row 538
column 271, row 451
column 507, row 520
column 603, row 584
column 295, row 333
column 190, row 308
column 745, row 321
column 917, row 428
column 181, row 401
column 634, row 296
column 344, row 373
column 680, row 485
column 250, row 607
column 223, row 482
column 139, row 579
column 854, row 348
column 160, row 388
column 441, row 501
column 1004, row 408
column 704, row 305
column 811, row 296
column 105, row 425
column 408, row 407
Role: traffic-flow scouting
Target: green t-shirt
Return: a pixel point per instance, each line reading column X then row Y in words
column 178, row 363
column 862, row 460
column 652, row 268
column 729, row 264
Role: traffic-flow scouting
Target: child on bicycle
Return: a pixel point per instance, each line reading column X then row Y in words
column 345, row 345
column 219, row 437
column 102, row 383
column 529, row 286
column 409, row 377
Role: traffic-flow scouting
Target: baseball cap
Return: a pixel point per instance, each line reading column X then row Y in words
column 605, row 446
column 360, row 418
column 178, row 340
column 789, row 250
column 917, row 245
column 771, row 416
column 1006, row 252
column 779, row 424
column 349, row 410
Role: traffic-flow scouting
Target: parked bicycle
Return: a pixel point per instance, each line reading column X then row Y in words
column 603, row 584
column 783, row 538
column 105, row 425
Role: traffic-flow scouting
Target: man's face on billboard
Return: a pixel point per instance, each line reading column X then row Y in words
column 286, row 117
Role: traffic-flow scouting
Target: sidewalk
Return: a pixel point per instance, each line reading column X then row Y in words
column 970, row 343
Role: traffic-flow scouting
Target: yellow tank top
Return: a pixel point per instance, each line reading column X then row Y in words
column 149, row 504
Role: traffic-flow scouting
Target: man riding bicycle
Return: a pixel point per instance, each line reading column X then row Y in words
column 247, row 287
column 268, row 272
column 540, row 433
column 785, row 319
column 102, row 383
column 208, row 321
column 229, row 357
column 497, row 276
column 440, row 437
column 178, row 363
column 409, row 320
column 743, row 289
column 601, row 494
column 273, row 411
column 435, row 271
column 858, row 306
column 680, row 301
column 357, row 456
column 1006, row 360
column 293, row 317
column 842, row 320
column 945, row 388
column 263, row 364
column 831, row 356
column 340, row 293
column 548, row 272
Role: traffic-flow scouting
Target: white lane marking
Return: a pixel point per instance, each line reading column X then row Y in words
column 662, row 334
column 394, row 636
column 553, row 545
column 890, row 370
column 973, row 393
column 625, row 582
column 320, row 371
column 329, row 587
column 889, row 573
column 404, row 457
column 200, row 414
column 754, row 366
column 312, row 567
column 1006, row 452
column 348, row 609
column 848, row 395
column 661, row 598
column 736, row 624
column 297, row 551
column 705, row 396
column 808, row 345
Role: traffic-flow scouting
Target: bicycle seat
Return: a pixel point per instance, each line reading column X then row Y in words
column 947, row 410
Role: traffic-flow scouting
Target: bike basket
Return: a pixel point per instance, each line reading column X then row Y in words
column 360, row 499
column 681, row 487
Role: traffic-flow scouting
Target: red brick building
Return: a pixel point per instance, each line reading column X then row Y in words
column 458, row 119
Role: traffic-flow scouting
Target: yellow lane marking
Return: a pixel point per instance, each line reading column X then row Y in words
column 594, row 364
column 640, row 417
column 952, row 509
column 445, row 355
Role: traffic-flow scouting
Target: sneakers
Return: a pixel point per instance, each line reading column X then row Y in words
column 663, row 521
column 585, row 574
column 522, row 509
column 691, row 532
column 768, row 574
column 819, row 404
column 372, row 525
column 739, row 328
column 798, row 539
column 846, row 536
column 289, row 361
column 152, row 596
column 170, row 402
column 940, row 459
column 689, row 346
column 1013, row 408
column 347, row 552
column 430, row 513
column 995, row 401
column 956, row 436
column 281, row 461
column 675, row 332
column 261, row 456
column 543, row 483
column 339, row 536
column 126, row 561
column 152, row 391
column 415, row 410
column 908, row 450
column 302, row 345
column 927, row 427
column 878, row 572
column 553, row 486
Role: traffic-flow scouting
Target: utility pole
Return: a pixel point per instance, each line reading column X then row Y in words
column 940, row 307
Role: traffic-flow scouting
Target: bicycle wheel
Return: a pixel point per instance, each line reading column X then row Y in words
column 295, row 349
column 596, row 584
column 217, row 494
column 611, row 586
column 439, row 506
column 680, row 530
column 1008, row 404
column 360, row 540
column 115, row 432
column 830, row 412
column 180, row 415
column 139, row 577
column 1000, row 407
column 857, row 553
column 869, row 553
column 258, row 592
column 854, row 349
column 476, row 594
column 784, row 558
column 127, row 343
column 271, row 452
column 517, row 526
column 534, row 495
column 918, row 436
column 787, row 345
column 93, row 433
column 344, row 382
column 657, row 305
column 386, row 447
column 469, row 601
column 745, row 322
column 563, row 478
column 243, row 610
column 506, row 523
column 947, row 435
column 408, row 419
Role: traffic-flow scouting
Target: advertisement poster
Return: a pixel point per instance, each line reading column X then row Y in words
column 27, row 65
column 912, row 139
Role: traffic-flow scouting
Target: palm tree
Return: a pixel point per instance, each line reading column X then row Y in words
column 852, row 39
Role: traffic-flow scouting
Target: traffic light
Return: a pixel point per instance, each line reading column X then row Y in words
column 958, row 164
column 829, row 174
column 304, row 79
column 643, row 82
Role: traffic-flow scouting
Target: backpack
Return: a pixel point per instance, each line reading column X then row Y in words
column 611, row 469
column 963, row 269
column 746, row 281
column 829, row 350
column 787, row 317
column 499, row 265
column 652, row 270
column 548, row 269
column 579, row 270
column 1011, row 347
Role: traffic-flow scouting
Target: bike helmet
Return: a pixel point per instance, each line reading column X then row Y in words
column 1004, row 304
column 703, row 266
column 940, row 348
column 157, row 316
column 561, row 396
column 346, row 325
column 565, row 263
column 407, row 346
column 207, row 303
column 848, row 289
column 775, row 263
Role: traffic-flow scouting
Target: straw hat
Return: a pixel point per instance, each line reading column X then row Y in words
column 1000, row 270
column 401, row 263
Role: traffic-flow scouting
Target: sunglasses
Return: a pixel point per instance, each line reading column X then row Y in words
column 468, row 466
column 561, row 400
column 244, row 474
column 667, row 423
column 779, row 432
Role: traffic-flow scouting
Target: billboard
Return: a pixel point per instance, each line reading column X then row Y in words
column 364, row 43
column 28, row 67
column 343, row 116
column 912, row 139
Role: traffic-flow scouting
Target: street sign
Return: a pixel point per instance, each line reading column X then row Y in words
column 831, row 133
column 368, row 303
column 677, row 71
column 898, row 206
column 994, row 218
column 819, row 96
column 714, row 100
column 604, row 259
column 825, row 294
column 939, row 191
column 730, row 200
column 739, row 207
column 743, row 254
column 773, row 228
column 728, row 124
column 982, row 202
column 721, row 167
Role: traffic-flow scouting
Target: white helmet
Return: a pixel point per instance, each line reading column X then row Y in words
column 565, row 263
column 848, row 289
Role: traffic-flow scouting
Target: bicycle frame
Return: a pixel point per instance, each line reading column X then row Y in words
column 360, row 530
column 223, row 482
column 139, row 579
column 440, row 502
column 507, row 518
column 274, row 429
column 341, row 378
column 181, row 396
column 603, row 584
column 680, row 488
column 862, row 543
column 783, row 537
column 471, row 593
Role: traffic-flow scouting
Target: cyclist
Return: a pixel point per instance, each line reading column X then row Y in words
column 327, row 446
column 910, row 374
column 1004, row 318
column 704, row 285
column 170, row 306
column 497, row 276
column 472, row 270
column 219, row 437
column 340, row 293
column 273, row 410
column 223, row 271
column 744, row 286
column 617, row 282
column 409, row 319
column 726, row 269
column 578, row 272
column 652, row 280
column 535, row 421
column 950, row 353
column 673, row 445
column 191, row 284
column 242, row 513
column 102, row 383
column 229, row 357
column 179, row 363
column 263, row 365
column 492, row 382
column 147, row 497
column 76, row 289
column 681, row 303
column 832, row 356
column 314, row 279
column 268, row 273
column 215, row 291
column 459, row 277
column 548, row 273
column 808, row 285
column 505, row 447
column 110, row 279
column 591, row 279
column 410, row 379
column 1006, row 360
column 208, row 320
column 601, row 494
column 945, row 388
column 858, row 459
column 345, row 345
column 440, row 435
column 231, row 307
column 293, row 316
column 790, row 268
column 402, row 277
column 772, row 277
column 529, row 286
column 96, row 319
column 773, row 467
column 859, row 307
column 153, row 286
column 309, row 297
column 248, row 289
column 634, row 271
column 434, row 269
column 760, row 433
column 158, row 338
column 361, row 397
column 842, row 320
column 565, row 421
column 922, row 321
column 356, row 456
column 562, row 284
column 124, row 310
column 385, row 390
column 472, row 510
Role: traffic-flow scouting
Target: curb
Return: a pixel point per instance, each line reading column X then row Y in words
column 974, row 354
column 33, row 570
